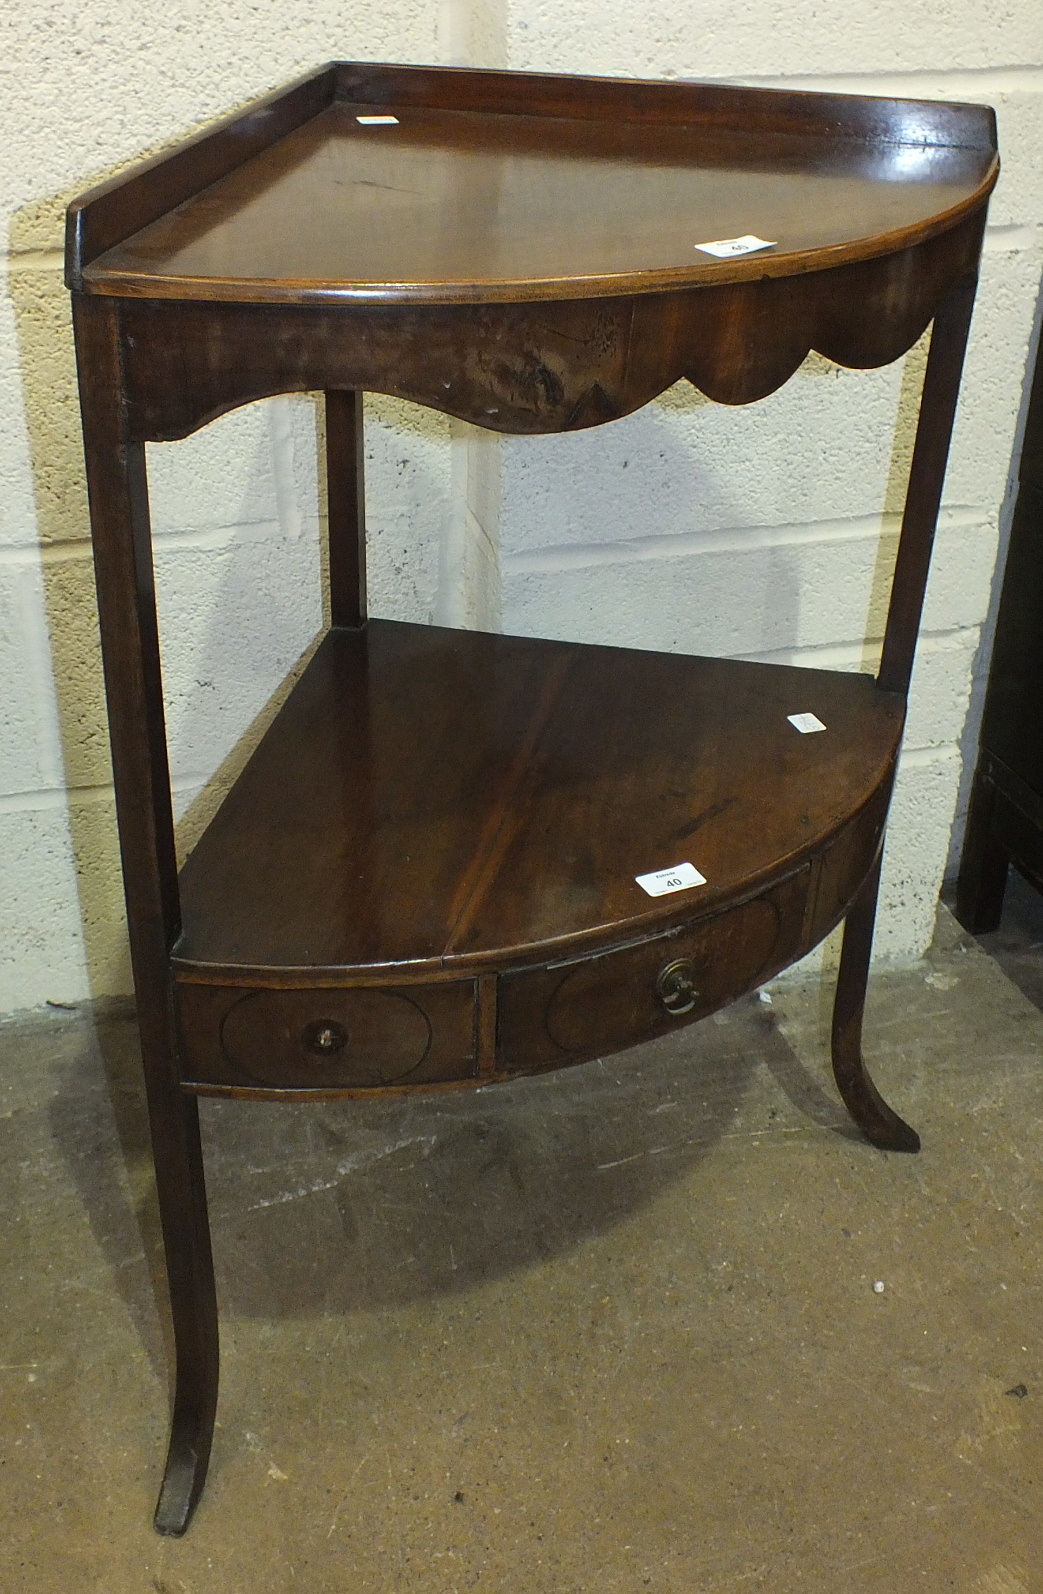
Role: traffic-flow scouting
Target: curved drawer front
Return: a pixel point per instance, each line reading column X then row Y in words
column 326, row 1039
column 846, row 862
column 549, row 1017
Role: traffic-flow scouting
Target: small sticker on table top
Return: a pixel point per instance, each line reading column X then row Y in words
column 377, row 121
column 726, row 248
column 679, row 877
column 806, row 723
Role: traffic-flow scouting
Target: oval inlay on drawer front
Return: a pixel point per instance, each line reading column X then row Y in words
column 617, row 1000
column 331, row 1037
column 558, row 1015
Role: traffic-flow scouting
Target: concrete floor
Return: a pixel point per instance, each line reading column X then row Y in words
column 614, row 1329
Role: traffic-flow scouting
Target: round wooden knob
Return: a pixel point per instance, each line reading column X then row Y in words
column 675, row 986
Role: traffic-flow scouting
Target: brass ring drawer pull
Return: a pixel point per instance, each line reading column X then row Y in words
column 325, row 1036
column 675, row 986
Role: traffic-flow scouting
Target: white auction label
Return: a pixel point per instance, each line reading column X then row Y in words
column 377, row 121
column 678, row 878
column 806, row 723
column 725, row 248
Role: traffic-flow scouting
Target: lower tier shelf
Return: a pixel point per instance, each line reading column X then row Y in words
column 427, row 874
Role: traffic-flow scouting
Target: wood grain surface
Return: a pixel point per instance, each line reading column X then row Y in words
column 494, row 186
column 535, row 367
column 429, row 801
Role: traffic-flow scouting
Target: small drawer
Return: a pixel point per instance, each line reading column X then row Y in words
column 846, row 862
column 550, row 1017
column 326, row 1039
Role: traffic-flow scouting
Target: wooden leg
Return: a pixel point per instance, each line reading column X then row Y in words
column 984, row 864
column 346, row 500
column 867, row 1107
column 118, row 485
column 193, row 1305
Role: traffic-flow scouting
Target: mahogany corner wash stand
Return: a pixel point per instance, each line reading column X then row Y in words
column 426, row 876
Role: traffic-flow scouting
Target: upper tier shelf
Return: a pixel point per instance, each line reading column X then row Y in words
column 505, row 187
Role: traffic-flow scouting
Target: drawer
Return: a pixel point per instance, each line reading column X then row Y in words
column 552, row 1016
column 326, row 1039
column 846, row 862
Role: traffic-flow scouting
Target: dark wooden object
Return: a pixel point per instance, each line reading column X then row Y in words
column 426, row 874
column 1005, row 818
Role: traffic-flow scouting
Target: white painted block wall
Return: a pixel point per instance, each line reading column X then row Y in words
column 763, row 532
